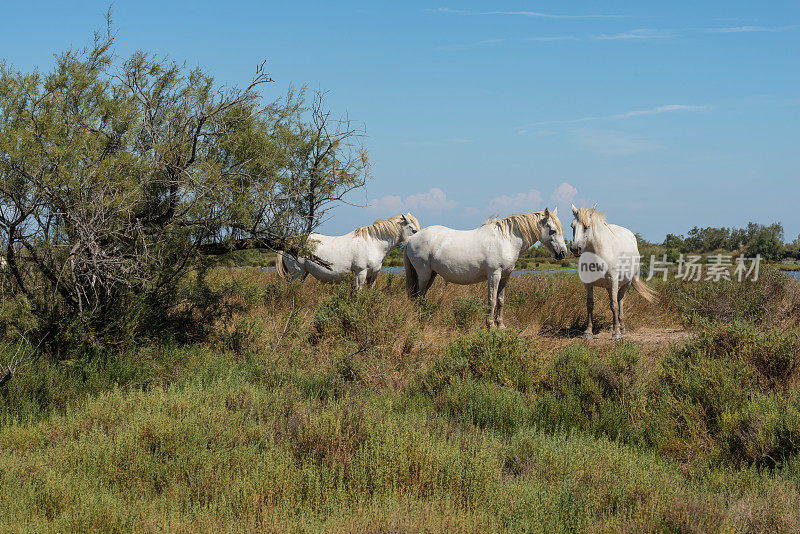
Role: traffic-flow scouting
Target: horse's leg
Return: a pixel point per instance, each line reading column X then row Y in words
column 430, row 282
column 371, row 279
column 589, row 333
column 613, row 293
column 494, row 284
column 501, row 299
column 423, row 282
column 620, row 297
column 361, row 277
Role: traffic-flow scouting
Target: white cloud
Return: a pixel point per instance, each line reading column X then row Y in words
column 612, row 143
column 750, row 29
column 617, row 116
column 434, row 199
column 642, row 33
column 454, row 48
column 389, row 203
column 554, row 38
column 519, row 203
column 564, row 194
column 658, row 110
column 522, row 14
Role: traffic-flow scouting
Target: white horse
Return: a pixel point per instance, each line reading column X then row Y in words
column 486, row 253
column 361, row 252
column 616, row 263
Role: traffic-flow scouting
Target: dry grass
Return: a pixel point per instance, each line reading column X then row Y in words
column 279, row 422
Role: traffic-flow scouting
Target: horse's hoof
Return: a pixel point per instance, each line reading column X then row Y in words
column 622, row 330
column 616, row 337
column 501, row 325
column 588, row 335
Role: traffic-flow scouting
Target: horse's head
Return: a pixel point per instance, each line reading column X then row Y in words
column 552, row 234
column 581, row 229
column 409, row 225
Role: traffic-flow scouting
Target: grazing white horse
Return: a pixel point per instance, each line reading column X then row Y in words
column 361, row 251
column 486, row 253
column 617, row 256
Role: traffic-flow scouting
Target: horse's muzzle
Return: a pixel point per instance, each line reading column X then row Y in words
column 560, row 255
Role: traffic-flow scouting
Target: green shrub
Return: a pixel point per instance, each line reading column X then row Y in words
column 765, row 430
column 467, row 311
column 484, row 404
column 245, row 335
column 500, row 356
column 729, row 393
column 350, row 314
column 760, row 302
column 580, row 389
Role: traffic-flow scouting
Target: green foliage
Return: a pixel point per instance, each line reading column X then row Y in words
column 491, row 430
column 760, row 301
column 498, row 356
column 467, row 311
column 245, row 335
column 766, row 240
column 117, row 177
column 216, row 449
column 355, row 315
column 729, row 395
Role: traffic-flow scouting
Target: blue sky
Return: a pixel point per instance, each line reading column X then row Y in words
column 668, row 115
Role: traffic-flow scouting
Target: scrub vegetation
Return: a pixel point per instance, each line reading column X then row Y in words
column 308, row 406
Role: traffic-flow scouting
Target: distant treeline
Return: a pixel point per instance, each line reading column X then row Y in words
column 766, row 240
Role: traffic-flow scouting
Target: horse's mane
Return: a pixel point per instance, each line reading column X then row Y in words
column 588, row 217
column 385, row 227
column 526, row 224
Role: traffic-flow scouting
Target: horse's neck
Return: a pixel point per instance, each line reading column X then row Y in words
column 601, row 241
column 384, row 243
column 523, row 243
column 520, row 244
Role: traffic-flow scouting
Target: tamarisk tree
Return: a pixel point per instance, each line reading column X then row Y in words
column 119, row 175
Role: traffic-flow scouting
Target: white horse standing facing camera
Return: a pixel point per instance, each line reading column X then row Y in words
column 615, row 260
column 361, row 252
column 486, row 253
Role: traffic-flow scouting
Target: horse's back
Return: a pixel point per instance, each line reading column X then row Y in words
column 438, row 241
column 459, row 256
column 625, row 239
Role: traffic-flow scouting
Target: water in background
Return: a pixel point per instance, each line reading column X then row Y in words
column 399, row 270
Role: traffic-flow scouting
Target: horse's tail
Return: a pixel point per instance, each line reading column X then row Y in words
column 644, row 290
column 411, row 276
column 280, row 266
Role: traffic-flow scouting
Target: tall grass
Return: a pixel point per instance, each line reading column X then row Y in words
column 277, row 420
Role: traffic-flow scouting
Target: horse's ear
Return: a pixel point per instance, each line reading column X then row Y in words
column 574, row 210
column 555, row 210
column 546, row 213
column 595, row 205
column 403, row 216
